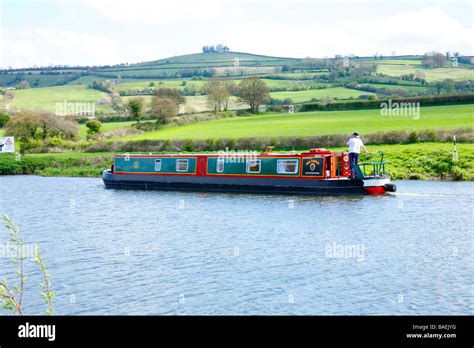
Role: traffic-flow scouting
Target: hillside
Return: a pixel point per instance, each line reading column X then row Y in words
column 233, row 62
column 206, row 59
column 289, row 80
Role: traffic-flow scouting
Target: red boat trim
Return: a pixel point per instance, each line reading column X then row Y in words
column 152, row 173
column 259, row 176
column 375, row 190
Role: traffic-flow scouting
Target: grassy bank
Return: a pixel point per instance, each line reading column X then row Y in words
column 317, row 122
column 411, row 161
column 63, row 164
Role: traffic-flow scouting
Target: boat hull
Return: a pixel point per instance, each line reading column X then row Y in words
column 235, row 185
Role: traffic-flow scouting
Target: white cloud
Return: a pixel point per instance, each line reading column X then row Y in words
column 140, row 30
column 44, row 46
column 153, row 11
column 414, row 32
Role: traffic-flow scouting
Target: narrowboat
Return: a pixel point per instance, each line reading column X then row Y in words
column 313, row 172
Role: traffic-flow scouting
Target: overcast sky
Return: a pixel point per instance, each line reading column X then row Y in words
column 99, row 32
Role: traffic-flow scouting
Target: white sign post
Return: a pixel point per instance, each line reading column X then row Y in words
column 7, row 144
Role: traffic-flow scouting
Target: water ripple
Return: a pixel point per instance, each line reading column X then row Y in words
column 137, row 252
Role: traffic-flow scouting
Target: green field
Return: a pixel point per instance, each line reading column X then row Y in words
column 388, row 86
column 106, row 127
column 307, row 95
column 144, row 84
column 317, row 123
column 272, row 84
column 397, row 61
column 45, row 99
column 195, row 103
column 87, row 80
column 434, row 74
column 36, row 80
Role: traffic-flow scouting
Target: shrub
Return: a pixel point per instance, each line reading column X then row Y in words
column 4, row 118
column 55, row 142
column 413, row 137
column 460, row 173
column 93, row 128
column 147, row 126
column 189, row 146
column 30, row 144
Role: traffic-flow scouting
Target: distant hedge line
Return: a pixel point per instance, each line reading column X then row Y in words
column 375, row 104
column 281, row 143
column 51, row 165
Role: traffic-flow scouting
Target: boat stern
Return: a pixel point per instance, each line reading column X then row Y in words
column 378, row 185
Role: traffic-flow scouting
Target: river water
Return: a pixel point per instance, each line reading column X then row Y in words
column 137, row 252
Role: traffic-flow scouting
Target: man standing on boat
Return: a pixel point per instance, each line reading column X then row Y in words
column 355, row 144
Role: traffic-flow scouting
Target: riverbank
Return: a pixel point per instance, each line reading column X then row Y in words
column 421, row 161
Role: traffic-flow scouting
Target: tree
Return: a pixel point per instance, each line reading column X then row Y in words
column 434, row 59
column 447, row 85
column 24, row 125
column 213, row 49
column 171, row 93
column 29, row 125
column 135, row 108
column 23, row 85
column 217, row 94
column 254, row 92
column 116, row 100
column 440, row 60
column 163, row 108
column 232, row 89
column 93, row 128
column 8, row 96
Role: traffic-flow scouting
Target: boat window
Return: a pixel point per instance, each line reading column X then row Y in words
column 182, row 165
column 157, row 165
column 220, row 165
column 287, row 166
column 253, row 166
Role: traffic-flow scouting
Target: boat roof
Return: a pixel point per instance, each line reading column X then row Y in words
column 237, row 153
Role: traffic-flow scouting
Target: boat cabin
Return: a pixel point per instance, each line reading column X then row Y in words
column 313, row 164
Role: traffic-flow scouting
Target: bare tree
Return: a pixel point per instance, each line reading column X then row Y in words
column 254, row 92
column 171, row 93
column 217, row 94
column 434, row 59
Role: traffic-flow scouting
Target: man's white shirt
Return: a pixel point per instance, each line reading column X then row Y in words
column 354, row 145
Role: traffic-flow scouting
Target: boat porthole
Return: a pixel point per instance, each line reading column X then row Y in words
column 136, row 165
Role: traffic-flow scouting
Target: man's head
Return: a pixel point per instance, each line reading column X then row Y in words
column 355, row 135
